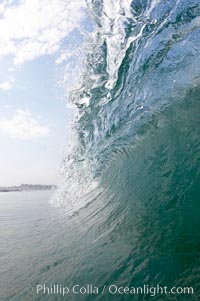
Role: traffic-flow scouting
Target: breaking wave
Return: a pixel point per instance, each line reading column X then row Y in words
column 131, row 175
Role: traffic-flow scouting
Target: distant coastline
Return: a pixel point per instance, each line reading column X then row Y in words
column 27, row 187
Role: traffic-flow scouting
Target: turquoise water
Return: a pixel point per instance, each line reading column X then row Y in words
column 127, row 213
column 133, row 174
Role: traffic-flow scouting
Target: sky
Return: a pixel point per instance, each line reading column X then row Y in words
column 40, row 53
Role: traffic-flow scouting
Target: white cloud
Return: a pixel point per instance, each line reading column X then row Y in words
column 11, row 69
column 37, row 27
column 23, row 126
column 6, row 85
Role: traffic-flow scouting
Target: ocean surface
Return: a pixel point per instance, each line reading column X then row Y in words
column 128, row 210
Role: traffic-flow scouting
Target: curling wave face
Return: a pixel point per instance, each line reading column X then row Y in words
column 142, row 57
column 132, row 176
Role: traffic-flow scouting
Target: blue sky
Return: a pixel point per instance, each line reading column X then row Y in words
column 39, row 58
